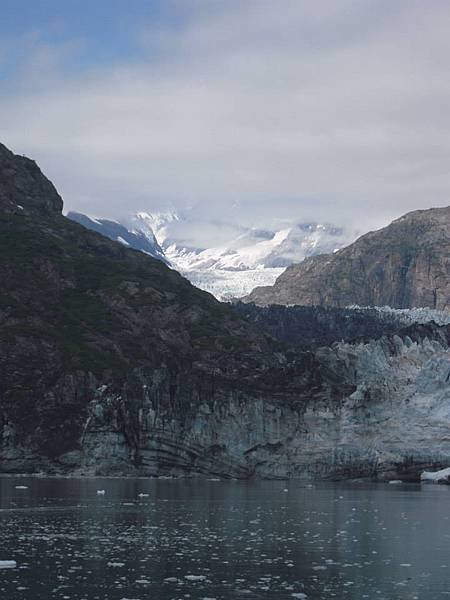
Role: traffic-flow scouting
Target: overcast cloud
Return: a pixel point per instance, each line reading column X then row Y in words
column 270, row 109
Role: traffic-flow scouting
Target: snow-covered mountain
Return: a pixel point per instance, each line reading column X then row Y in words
column 248, row 258
column 225, row 259
column 133, row 238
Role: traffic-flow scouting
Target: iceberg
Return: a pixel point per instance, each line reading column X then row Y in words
column 442, row 476
column 8, row 564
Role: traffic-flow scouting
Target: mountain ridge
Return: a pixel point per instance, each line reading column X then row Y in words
column 403, row 265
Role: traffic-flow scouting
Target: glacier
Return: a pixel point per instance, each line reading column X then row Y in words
column 245, row 258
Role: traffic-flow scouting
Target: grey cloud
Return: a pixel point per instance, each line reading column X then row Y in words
column 285, row 110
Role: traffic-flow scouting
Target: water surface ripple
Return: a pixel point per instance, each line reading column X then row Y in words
column 203, row 540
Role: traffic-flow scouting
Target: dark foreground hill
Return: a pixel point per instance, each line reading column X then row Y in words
column 404, row 265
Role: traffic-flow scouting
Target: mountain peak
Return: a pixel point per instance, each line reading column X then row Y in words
column 403, row 265
column 24, row 188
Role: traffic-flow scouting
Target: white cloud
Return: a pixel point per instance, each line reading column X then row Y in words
column 291, row 109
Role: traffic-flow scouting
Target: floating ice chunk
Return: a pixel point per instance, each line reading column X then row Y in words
column 442, row 476
column 21, row 487
column 195, row 577
column 395, row 482
column 299, row 595
column 116, row 564
column 8, row 564
column 141, row 495
column 101, row 492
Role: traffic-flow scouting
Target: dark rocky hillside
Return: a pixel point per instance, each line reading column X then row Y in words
column 404, row 265
column 308, row 327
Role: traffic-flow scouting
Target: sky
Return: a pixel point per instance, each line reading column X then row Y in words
column 260, row 112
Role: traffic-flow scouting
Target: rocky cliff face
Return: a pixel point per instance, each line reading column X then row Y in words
column 391, row 419
column 406, row 264
column 111, row 363
column 394, row 424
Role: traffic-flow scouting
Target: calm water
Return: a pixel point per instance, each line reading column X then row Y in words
column 222, row 540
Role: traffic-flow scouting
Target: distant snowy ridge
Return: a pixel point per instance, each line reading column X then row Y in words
column 144, row 241
column 244, row 257
column 248, row 258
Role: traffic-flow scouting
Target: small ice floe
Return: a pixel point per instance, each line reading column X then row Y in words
column 21, row 487
column 141, row 495
column 101, row 492
column 395, row 482
column 285, row 490
column 8, row 564
column 442, row 476
column 116, row 564
column 299, row 595
column 195, row 577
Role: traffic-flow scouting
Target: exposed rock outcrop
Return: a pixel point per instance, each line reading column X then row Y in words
column 23, row 187
column 406, row 264
column 393, row 420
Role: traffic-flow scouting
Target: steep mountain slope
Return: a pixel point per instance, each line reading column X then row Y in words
column 406, row 264
column 138, row 240
column 23, row 189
